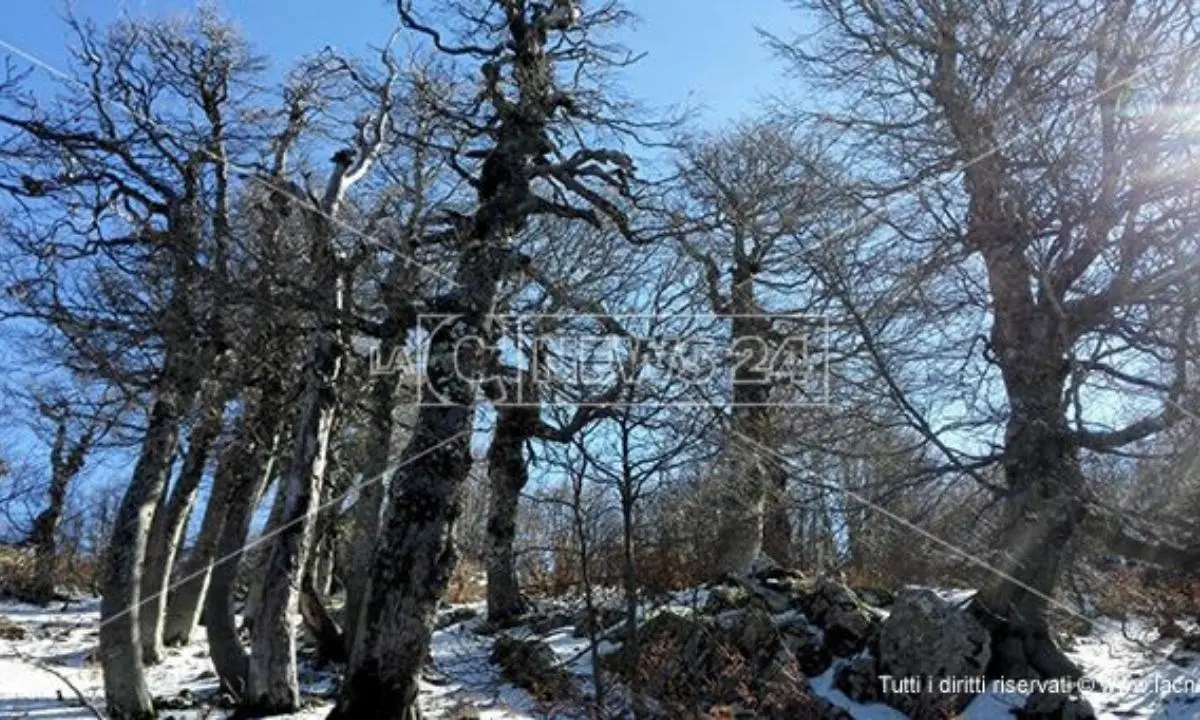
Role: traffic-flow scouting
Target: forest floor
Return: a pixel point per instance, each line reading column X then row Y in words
column 48, row 671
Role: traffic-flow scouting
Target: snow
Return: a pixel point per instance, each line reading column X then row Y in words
column 1136, row 673
column 65, row 641
column 822, row 685
column 1131, row 672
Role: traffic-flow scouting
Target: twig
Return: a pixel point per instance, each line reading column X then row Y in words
column 78, row 693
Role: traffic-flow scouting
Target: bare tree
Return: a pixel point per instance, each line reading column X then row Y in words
column 759, row 200
column 1062, row 203
column 519, row 47
column 78, row 427
column 113, row 145
column 272, row 683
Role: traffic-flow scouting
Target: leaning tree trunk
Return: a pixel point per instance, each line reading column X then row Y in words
column 507, row 474
column 331, row 643
column 166, row 531
column 186, row 597
column 248, row 482
column 120, row 645
column 273, row 686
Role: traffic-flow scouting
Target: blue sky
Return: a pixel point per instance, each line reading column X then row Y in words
column 704, row 49
column 705, row 53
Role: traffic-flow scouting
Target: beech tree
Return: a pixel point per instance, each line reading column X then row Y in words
column 521, row 50
column 139, row 140
column 1043, row 164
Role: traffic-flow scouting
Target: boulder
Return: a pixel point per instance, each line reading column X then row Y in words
column 727, row 597
column 754, row 635
column 927, row 636
column 848, row 624
column 859, row 680
column 543, row 624
column 876, row 597
column 1171, row 630
column 689, row 666
column 9, row 630
column 789, row 582
column 1190, row 643
column 532, row 666
column 807, row 644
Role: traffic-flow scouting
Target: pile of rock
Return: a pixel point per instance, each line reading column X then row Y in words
column 757, row 640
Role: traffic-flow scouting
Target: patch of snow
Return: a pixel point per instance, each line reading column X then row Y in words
column 822, row 686
column 954, row 596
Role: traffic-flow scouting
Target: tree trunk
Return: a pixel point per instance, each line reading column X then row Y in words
column 331, row 643
column 187, row 597
column 1041, row 516
column 42, row 537
column 508, row 475
column 120, row 645
column 416, row 556
column 777, row 523
column 246, row 454
column 166, row 531
column 248, row 482
column 64, row 466
column 1045, row 503
column 273, row 686
column 255, row 572
column 369, row 505
column 740, row 536
column 323, row 567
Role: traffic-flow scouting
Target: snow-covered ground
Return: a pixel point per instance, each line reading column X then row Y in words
column 1139, row 674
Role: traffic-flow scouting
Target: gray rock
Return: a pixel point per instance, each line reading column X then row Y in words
column 807, row 644
column 846, row 621
column 859, row 680
column 455, row 616
column 726, row 597
column 927, row 636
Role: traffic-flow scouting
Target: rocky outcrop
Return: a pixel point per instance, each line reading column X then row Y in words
column 927, row 636
column 740, row 660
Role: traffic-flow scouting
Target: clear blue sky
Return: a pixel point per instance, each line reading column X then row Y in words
column 706, row 49
column 705, row 53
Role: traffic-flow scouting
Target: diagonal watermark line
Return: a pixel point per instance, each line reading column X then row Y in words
column 275, row 531
column 974, row 559
column 247, row 173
